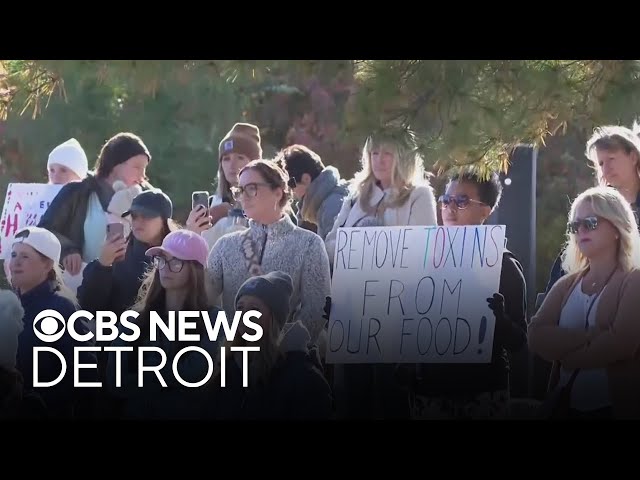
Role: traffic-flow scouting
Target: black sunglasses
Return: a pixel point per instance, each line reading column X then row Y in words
column 589, row 223
column 460, row 201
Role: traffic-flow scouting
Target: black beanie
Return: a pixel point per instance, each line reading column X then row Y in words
column 274, row 289
column 118, row 149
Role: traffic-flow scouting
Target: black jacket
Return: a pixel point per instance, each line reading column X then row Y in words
column 114, row 288
column 62, row 400
column 451, row 379
column 67, row 213
column 296, row 389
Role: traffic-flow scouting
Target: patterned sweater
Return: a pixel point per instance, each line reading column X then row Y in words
column 284, row 247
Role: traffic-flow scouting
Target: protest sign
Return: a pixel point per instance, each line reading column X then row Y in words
column 414, row 294
column 24, row 205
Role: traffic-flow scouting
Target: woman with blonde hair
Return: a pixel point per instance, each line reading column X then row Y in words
column 37, row 280
column 614, row 152
column 391, row 189
column 587, row 325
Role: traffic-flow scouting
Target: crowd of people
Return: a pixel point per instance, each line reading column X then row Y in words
column 265, row 241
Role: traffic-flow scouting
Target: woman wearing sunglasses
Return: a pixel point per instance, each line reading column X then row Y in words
column 614, row 153
column 177, row 282
column 271, row 243
column 476, row 390
column 588, row 323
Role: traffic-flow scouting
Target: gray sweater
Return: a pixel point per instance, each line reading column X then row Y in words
column 290, row 249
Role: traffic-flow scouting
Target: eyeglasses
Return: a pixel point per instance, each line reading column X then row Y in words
column 250, row 189
column 589, row 223
column 175, row 264
column 460, row 201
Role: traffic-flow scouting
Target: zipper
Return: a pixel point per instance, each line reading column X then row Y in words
column 264, row 244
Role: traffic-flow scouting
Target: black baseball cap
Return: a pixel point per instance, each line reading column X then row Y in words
column 151, row 203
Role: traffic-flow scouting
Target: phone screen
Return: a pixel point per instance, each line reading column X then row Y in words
column 114, row 230
column 199, row 198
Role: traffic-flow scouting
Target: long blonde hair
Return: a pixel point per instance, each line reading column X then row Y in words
column 607, row 203
column 408, row 171
column 613, row 138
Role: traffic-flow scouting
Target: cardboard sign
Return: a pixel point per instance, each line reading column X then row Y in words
column 24, row 205
column 414, row 294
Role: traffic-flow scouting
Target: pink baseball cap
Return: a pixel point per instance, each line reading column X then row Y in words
column 185, row 245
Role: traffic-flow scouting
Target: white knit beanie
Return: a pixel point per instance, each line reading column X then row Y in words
column 71, row 155
column 11, row 324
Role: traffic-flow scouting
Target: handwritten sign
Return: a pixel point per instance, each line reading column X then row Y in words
column 24, row 205
column 414, row 294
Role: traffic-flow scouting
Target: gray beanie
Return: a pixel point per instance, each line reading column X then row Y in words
column 274, row 289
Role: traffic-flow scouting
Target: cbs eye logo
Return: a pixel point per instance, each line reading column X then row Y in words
column 51, row 328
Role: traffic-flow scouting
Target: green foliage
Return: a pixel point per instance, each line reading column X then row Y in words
column 465, row 113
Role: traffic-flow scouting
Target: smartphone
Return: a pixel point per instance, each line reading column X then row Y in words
column 114, row 230
column 200, row 198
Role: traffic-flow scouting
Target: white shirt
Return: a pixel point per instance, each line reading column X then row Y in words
column 591, row 388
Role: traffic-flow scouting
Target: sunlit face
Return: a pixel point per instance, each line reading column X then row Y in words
column 174, row 272
column 249, row 302
column 147, row 229
column 232, row 163
column 259, row 200
column 383, row 161
column 617, row 166
column 593, row 242
column 133, row 171
column 464, row 205
column 28, row 268
column 61, row 175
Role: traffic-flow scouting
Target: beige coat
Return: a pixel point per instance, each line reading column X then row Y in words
column 615, row 344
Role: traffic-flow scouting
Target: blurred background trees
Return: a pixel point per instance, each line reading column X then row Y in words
column 468, row 112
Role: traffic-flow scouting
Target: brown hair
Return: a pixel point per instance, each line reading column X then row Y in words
column 118, row 149
column 151, row 294
column 275, row 176
column 297, row 160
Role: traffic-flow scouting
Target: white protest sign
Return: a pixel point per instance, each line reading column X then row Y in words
column 414, row 294
column 24, row 205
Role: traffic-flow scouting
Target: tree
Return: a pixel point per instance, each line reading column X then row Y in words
column 464, row 112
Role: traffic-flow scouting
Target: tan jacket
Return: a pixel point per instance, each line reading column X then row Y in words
column 614, row 344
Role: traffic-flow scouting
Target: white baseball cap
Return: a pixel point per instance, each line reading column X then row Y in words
column 71, row 155
column 42, row 240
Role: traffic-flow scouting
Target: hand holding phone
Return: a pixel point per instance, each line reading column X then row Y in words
column 200, row 198
column 115, row 230
column 199, row 219
column 113, row 250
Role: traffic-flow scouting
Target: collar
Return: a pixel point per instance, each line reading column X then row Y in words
column 42, row 290
column 279, row 228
